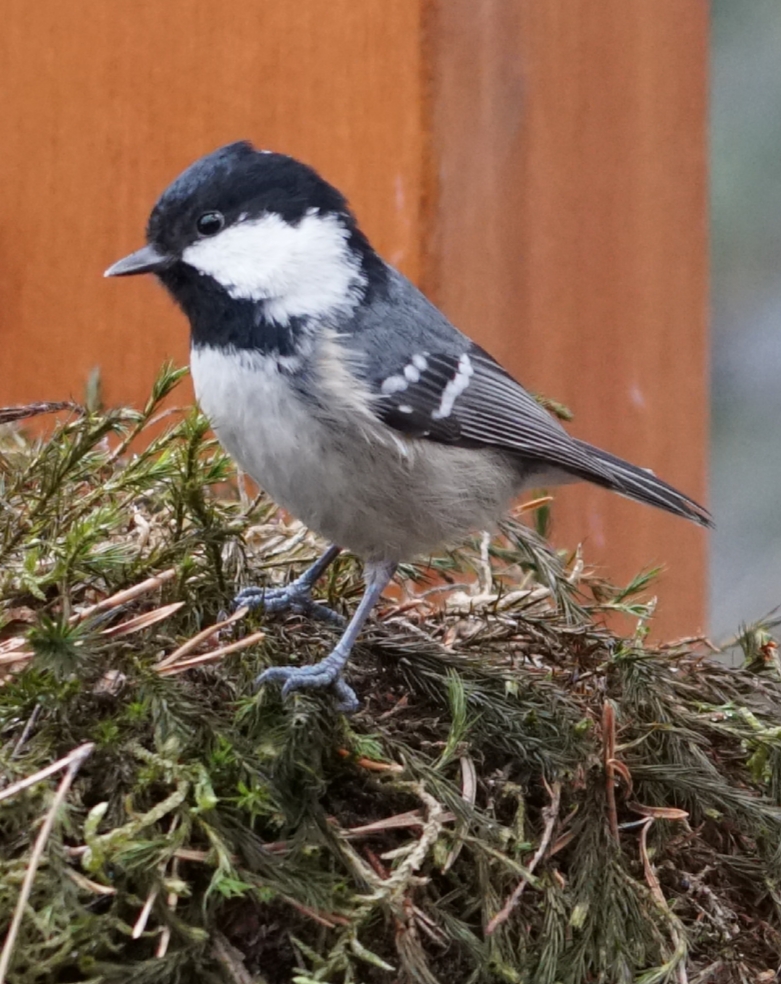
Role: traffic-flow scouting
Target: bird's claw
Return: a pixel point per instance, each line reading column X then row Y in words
column 293, row 598
column 325, row 674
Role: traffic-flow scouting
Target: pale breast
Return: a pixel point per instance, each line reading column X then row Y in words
column 342, row 472
column 258, row 419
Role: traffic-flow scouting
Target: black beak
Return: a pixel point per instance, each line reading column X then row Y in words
column 148, row 259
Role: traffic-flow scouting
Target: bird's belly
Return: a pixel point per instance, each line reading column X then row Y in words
column 381, row 496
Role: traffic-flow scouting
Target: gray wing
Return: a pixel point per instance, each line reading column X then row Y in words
column 467, row 399
column 432, row 382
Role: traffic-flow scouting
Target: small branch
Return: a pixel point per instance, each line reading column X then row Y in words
column 143, row 916
column 658, row 895
column 330, row 920
column 88, row 885
column 77, row 755
column 201, row 637
column 172, row 900
column 121, row 597
column 609, row 738
column 16, row 653
column 11, row 414
column 74, row 761
column 213, row 656
column 140, row 925
column 650, row 875
column 143, row 621
column 551, row 814
column 542, row 500
column 26, row 733
column 371, row 765
column 469, row 795
column 231, row 960
column 18, row 642
column 400, row 821
column 395, row 887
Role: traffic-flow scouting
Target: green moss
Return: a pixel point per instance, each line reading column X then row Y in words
column 229, row 818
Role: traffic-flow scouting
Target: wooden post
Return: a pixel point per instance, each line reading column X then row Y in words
column 538, row 167
column 570, row 238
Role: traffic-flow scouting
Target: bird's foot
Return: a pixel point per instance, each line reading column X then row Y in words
column 295, row 597
column 328, row 672
column 325, row 674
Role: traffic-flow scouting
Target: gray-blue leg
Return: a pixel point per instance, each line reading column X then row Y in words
column 328, row 672
column 296, row 596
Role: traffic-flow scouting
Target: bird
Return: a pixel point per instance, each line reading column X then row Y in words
column 343, row 391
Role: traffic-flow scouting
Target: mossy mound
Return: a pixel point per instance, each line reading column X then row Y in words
column 524, row 796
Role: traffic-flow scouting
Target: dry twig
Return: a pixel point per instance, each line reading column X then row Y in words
column 551, row 814
column 213, row 656
column 72, row 763
column 123, row 597
column 609, row 739
column 204, row 636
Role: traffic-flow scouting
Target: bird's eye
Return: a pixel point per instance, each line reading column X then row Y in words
column 210, row 223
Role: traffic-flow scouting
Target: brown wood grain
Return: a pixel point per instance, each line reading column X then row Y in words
column 569, row 237
column 539, row 166
column 105, row 102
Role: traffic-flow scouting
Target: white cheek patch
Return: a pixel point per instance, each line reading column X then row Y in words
column 299, row 270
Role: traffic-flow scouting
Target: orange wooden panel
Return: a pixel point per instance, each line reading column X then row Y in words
column 105, row 102
column 540, row 166
column 569, row 237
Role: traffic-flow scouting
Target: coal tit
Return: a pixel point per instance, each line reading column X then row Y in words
column 341, row 389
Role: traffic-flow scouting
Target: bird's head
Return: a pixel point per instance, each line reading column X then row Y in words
column 255, row 227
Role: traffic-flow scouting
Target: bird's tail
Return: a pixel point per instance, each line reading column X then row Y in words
column 644, row 486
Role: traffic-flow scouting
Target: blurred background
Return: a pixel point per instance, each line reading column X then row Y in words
column 746, row 311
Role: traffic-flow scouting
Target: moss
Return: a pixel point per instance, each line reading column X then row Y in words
column 507, row 738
